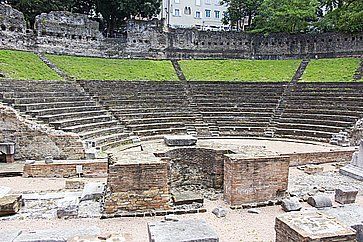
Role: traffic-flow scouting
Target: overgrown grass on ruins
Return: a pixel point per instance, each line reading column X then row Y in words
column 331, row 70
column 240, row 70
column 25, row 66
column 86, row 68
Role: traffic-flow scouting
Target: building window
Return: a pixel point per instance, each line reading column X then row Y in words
column 176, row 12
column 207, row 13
column 197, row 2
column 217, row 14
column 197, row 14
column 177, row 1
column 207, row 1
column 187, row 11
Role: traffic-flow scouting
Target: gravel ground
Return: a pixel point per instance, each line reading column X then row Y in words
column 239, row 225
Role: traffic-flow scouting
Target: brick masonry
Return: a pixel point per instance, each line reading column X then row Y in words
column 137, row 187
column 298, row 159
column 249, row 180
column 66, row 169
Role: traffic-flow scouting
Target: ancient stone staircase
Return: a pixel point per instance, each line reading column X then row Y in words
column 359, row 72
column 280, row 107
column 52, row 66
column 199, row 127
column 64, row 105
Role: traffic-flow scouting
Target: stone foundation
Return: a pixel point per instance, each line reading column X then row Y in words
column 249, row 180
column 66, row 169
column 310, row 227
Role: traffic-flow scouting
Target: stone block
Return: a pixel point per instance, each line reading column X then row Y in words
column 93, row 191
column 320, row 201
column 313, row 169
column 10, row 204
column 185, row 230
column 180, row 140
column 187, row 197
column 345, row 194
column 68, row 207
column 220, row 212
column 75, row 184
column 291, row 204
column 312, row 227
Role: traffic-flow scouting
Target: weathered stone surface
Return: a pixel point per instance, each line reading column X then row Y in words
column 57, row 235
column 291, row 204
column 311, row 226
column 68, row 207
column 320, row 201
column 220, row 212
column 180, row 140
column 9, row 235
column 75, row 183
column 111, row 237
column 345, row 195
column 355, row 168
column 253, row 210
column 93, row 191
column 11, row 19
column 171, row 217
column 185, row 230
column 34, row 141
column 89, row 209
column 351, row 215
column 187, row 197
column 10, row 204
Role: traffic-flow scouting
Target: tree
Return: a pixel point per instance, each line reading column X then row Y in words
column 238, row 10
column 346, row 17
column 116, row 12
column 291, row 16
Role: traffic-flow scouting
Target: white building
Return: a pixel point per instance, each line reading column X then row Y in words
column 201, row 14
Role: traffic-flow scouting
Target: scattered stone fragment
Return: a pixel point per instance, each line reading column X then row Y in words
column 180, row 140
column 10, row 204
column 29, row 162
column 171, row 217
column 220, row 212
column 68, row 207
column 313, row 169
column 93, row 191
column 184, row 230
column 291, row 204
column 49, row 160
column 253, row 210
column 345, row 194
column 320, row 201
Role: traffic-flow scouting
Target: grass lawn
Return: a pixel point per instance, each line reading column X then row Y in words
column 239, row 70
column 331, row 70
column 25, row 66
column 86, row 68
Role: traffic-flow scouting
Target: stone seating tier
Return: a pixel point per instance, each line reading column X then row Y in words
column 81, row 121
column 317, row 121
column 304, row 134
column 102, row 132
column 47, row 99
column 91, row 126
column 158, row 120
column 322, row 111
column 65, row 116
column 11, row 95
column 61, row 111
column 305, row 126
column 37, row 106
column 150, row 126
column 320, row 115
column 161, row 131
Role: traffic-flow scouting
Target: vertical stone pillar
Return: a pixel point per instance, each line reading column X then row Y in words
column 355, row 168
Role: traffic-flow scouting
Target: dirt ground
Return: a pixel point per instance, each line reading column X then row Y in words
column 238, row 225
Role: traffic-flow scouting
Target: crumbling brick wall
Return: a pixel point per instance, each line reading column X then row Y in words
column 34, row 141
column 248, row 180
column 137, row 187
column 196, row 166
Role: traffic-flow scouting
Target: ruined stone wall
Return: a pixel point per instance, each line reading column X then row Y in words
column 75, row 34
column 298, row 159
column 57, row 169
column 196, row 166
column 250, row 180
column 11, row 20
column 36, row 142
column 137, row 187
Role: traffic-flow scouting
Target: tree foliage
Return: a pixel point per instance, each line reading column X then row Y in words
column 290, row 16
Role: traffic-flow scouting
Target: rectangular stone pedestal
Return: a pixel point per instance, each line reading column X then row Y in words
column 186, row 231
column 311, row 227
column 352, row 171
